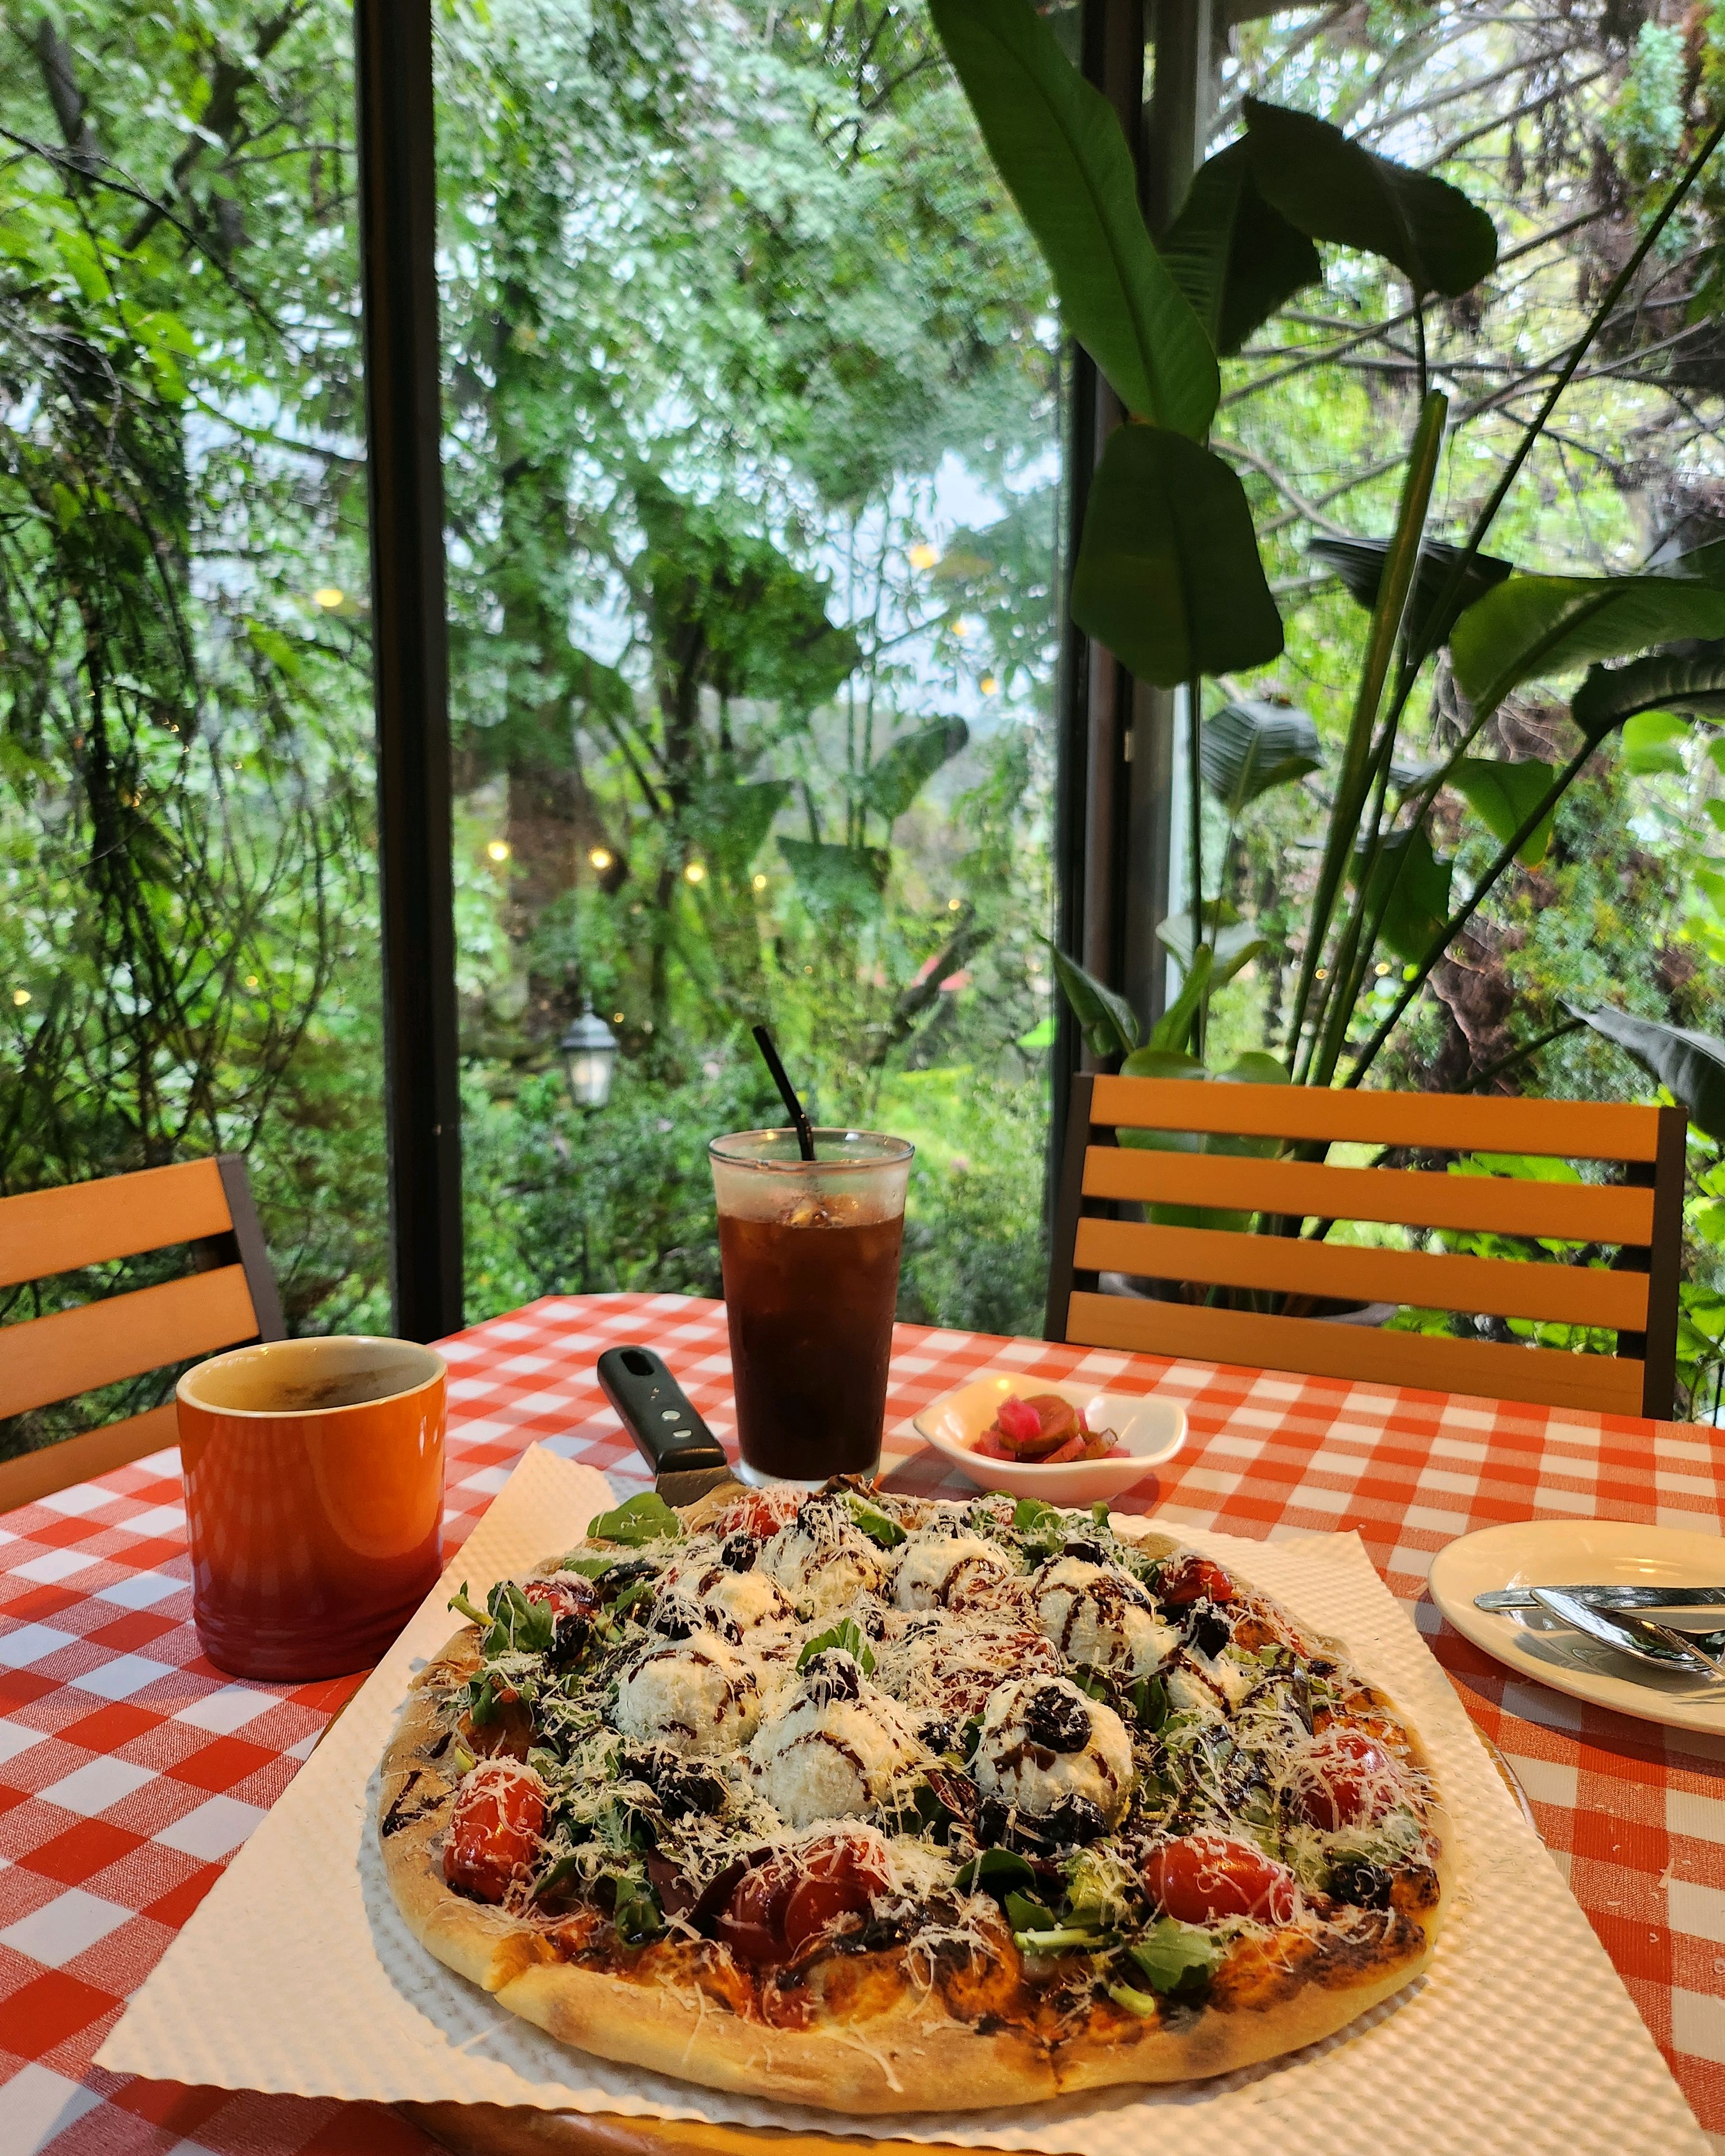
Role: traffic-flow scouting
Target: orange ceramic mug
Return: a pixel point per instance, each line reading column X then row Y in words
column 314, row 1500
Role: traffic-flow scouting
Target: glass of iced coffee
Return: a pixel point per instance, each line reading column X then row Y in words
column 809, row 1251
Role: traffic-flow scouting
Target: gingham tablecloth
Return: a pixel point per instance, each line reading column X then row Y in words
column 131, row 1770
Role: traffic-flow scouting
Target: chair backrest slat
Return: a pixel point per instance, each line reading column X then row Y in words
column 99, row 1343
column 44, row 1232
column 1445, row 1122
column 1409, row 1198
column 1345, row 1272
column 230, row 1297
column 33, row 1475
column 1606, row 1383
column 1639, row 1219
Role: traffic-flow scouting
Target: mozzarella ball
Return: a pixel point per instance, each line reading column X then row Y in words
column 823, row 1558
column 831, row 1757
column 744, row 1600
column 937, row 1570
column 694, row 1695
column 1043, row 1741
column 1101, row 1617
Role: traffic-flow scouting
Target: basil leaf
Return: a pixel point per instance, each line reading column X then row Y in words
column 646, row 1518
column 847, row 1637
column 1174, row 1957
column 875, row 1525
column 994, row 1871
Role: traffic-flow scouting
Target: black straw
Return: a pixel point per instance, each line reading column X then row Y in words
column 799, row 1115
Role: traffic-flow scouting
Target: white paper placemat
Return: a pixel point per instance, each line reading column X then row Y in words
column 296, row 1975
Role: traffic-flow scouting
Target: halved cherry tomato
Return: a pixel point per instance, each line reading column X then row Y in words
column 840, row 1879
column 494, row 1830
column 563, row 1598
column 1346, row 1779
column 1205, row 1875
column 761, row 1514
column 753, row 1922
column 1195, row 1579
column 778, row 1905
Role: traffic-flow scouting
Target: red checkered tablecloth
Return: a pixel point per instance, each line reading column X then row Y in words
column 131, row 1770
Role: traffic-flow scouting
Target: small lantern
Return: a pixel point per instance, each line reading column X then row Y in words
column 589, row 1053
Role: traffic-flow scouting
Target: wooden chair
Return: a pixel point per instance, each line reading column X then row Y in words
column 229, row 1296
column 1642, row 1217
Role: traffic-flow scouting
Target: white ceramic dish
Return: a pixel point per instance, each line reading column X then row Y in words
column 1151, row 1431
column 1555, row 1553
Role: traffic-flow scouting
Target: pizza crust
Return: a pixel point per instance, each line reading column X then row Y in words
column 908, row 2054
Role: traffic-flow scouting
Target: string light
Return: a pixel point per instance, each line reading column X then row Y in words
column 988, row 685
column 498, row 849
column 1380, row 970
column 922, row 556
column 328, row 596
column 696, row 872
column 953, row 904
column 251, row 980
column 602, row 858
column 20, row 997
column 759, row 882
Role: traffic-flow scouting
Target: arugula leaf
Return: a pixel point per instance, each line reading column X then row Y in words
column 636, row 1913
column 1040, row 1526
column 1060, row 1940
column 1025, row 1914
column 468, row 1609
column 638, row 1590
column 517, row 1626
column 994, row 1871
column 875, row 1525
column 1140, row 2003
column 1175, row 1957
column 1099, row 1513
column 1149, row 1699
column 594, row 1568
column 483, row 1707
column 554, row 1874
column 847, row 1636
column 646, row 1518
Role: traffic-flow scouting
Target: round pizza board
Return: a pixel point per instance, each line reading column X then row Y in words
column 487, row 2129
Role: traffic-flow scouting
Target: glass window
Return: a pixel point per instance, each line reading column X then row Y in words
column 752, row 385
column 188, row 956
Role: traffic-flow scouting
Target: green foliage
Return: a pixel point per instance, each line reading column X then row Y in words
column 1504, row 795
column 1059, row 147
column 1644, row 121
column 1168, row 576
column 1688, row 1064
column 1532, row 627
column 1235, row 258
column 1248, row 748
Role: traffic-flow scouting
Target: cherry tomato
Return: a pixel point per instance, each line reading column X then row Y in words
column 563, row 1598
column 1195, row 1579
column 1345, row 1779
column 752, row 1924
column 778, row 1905
column 841, row 1878
column 494, row 1830
column 1205, row 1875
column 761, row 1514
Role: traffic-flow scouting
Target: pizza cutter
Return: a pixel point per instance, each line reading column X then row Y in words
column 686, row 1459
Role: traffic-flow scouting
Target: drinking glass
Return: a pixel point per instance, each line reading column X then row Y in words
column 810, row 1251
column 314, row 1475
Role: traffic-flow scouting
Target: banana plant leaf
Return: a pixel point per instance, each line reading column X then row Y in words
column 836, row 880
column 1235, row 945
column 1058, row 146
column 1503, row 796
column 1250, row 747
column 1689, row 1065
column 1107, row 1021
column 901, row 772
column 1653, row 741
column 1168, row 576
column 1419, row 904
column 1171, row 1029
column 1235, row 258
column 1335, row 190
column 1532, row 627
column 1359, row 563
column 1611, row 695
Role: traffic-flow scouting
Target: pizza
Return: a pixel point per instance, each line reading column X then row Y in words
column 885, row 1804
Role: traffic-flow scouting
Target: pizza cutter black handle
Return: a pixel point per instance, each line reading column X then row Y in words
column 654, row 1411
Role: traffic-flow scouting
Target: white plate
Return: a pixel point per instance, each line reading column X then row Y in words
column 1152, row 1431
column 1557, row 1552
